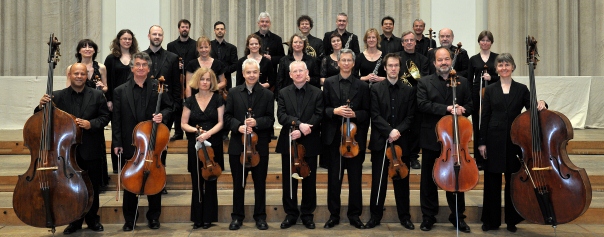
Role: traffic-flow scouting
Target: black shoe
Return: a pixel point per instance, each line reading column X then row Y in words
column 357, row 224
column 486, row 227
column 225, row 137
column 197, row 225
column 164, row 191
column 235, row 225
column 408, row 224
column 372, row 223
column 207, row 225
column 463, row 227
column 309, row 224
column 176, row 137
column 287, row 223
column 512, row 228
column 273, row 137
column 154, row 224
column 128, row 226
column 115, row 171
column 426, row 225
column 415, row 164
column 331, row 223
column 96, row 227
column 261, row 224
column 480, row 166
column 71, row 229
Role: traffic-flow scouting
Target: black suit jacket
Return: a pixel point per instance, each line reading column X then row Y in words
column 312, row 113
column 168, row 67
column 274, row 47
column 283, row 78
column 433, row 97
column 94, row 109
column 381, row 110
column 124, row 117
column 317, row 45
column 262, row 110
column 461, row 64
column 359, row 101
column 420, row 61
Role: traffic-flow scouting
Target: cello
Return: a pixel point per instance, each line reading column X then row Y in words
column 210, row 170
column 144, row 173
column 54, row 191
column 548, row 188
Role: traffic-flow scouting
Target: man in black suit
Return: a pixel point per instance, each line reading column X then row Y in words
column 392, row 111
column 303, row 104
column 435, row 100
column 446, row 37
column 249, row 95
column 133, row 102
column 337, row 90
column 349, row 40
column 92, row 115
column 224, row 51
column 165, row 64
column 272, row 44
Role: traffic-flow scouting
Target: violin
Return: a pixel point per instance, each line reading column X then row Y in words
column 144, row 173
column 396, row 169
column 249, row 156
column 548, row 188
column 53, row 191
column 183, row 90
column 455, row 170
column 299, row 167
column 349, row 147
column 95, row 80
column 210, row 170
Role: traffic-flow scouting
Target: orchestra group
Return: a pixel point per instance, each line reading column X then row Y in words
column 328, row 92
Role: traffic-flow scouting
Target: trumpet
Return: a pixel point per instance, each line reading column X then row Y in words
column 412, row 72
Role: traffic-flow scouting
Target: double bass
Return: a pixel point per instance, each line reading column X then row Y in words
column 54, row 190
column 548, row 188
column 144, row 173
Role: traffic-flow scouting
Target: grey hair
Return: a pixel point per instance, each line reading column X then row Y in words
column 140, row 55
column 296, row 63
column 452, row 34
column 348, row 51
column 250, row 61
column 505, row 58
column 342, row 14
column 264, row 15
column 418, row 19
column 407, row 33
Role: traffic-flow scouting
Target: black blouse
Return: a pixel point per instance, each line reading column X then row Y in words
column 364, row 67
column 476, row 67
column 267, row 74
column 329, row 67
column 206, row 120
column 117, row 74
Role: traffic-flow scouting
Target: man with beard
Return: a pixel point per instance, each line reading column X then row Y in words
column 445, row 36
column 183, row 47
column 349, row 40
column 165, row 64
column 435, row 100
column 390, row 43
column 305, row 24
column 224, row 51
column 423, row 43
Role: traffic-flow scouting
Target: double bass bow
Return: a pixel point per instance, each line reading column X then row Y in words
column 482, row 88
column 548, row 188
column 210, row 170
column 53, row 191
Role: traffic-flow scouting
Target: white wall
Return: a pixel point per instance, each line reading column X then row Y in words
column 461, row 17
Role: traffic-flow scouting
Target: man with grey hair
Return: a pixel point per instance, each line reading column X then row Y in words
column 346, row 98
column 249, row 96
column 272, row 44
column 349, row 40
column 446, row 37
column 423, row 43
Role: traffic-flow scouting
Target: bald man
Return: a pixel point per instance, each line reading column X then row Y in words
column 446, row 37
column 89, row 106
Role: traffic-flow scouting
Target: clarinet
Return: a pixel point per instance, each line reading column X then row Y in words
column 348, row 41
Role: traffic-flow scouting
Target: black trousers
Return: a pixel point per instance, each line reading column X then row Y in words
column 204, row 209
column 94, row 169
column 130, row 204
column 428, row 193
column 413, row 140
column 309, row 190
column 175, row 119
column 475, row 125
column 401, row 188
column 259, row 177
column 335, row 172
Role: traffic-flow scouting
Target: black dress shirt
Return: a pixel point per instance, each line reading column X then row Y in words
column 353, row 45
column 140, row 101
column 227, row 54
column 187, row 50
column 345, row 85
column 422, row 45
column 390, row 45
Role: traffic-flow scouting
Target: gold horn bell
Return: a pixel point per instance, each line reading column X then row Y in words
column 412, row 68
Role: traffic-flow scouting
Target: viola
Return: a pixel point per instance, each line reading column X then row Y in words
column 144, row 173
column 210, row 170
column 299, row 167
column 249, row 156
column 53, row 191
column 548, row 188
column 349, row 147
column 455, row 170
column 397, row 169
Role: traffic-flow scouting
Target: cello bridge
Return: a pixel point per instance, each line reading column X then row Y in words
column 48, row 168
column 150, row 161
column 541, row 169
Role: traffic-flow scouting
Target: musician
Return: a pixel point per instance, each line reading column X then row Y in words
column 390, row 43
column 435, row 100
column 272, row 47
column 391, row 117
column 503, row 101
column 304, row 104
column 267, row 78
column 349, row 40
column 423, row 43
column 89, row 106
column 224, row 51
column 336, row 91
column 446, row 37
column 164, row 64
column 241, row 98
column 367, row 65
column 298, row 53
column 134, row 102
column 204, row 109
column 204, row 47
column 329, row 63
column 477, row 73
column 86, row 54
column 305, row 24
column 183, row 47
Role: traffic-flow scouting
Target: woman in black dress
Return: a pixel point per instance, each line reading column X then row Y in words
column 86, row 54
column 205, row 108
column 503, row 102
column 329, row 63
column 297, row 53
column 204, row 47
column 477, row 73
column 253, row 44
column 367, row 65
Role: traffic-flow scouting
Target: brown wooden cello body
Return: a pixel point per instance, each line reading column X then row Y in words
column 548, row 188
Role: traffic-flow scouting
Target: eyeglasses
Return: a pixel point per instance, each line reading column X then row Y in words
column 139, row 65
column 408, row 40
